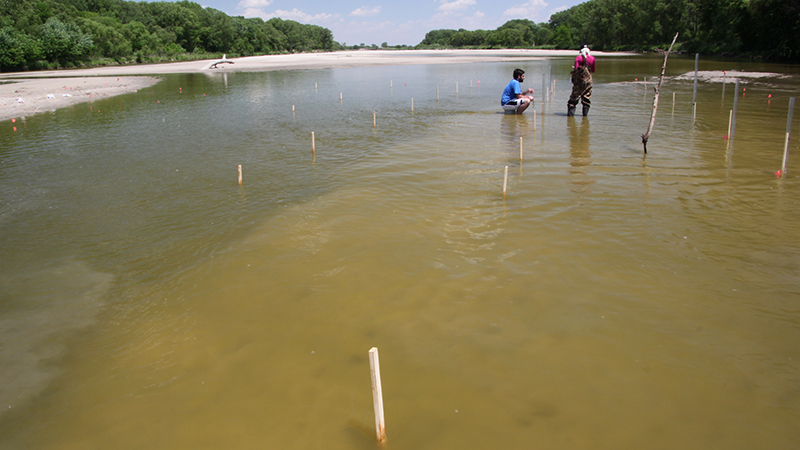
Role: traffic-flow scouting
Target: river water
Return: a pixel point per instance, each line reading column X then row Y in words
column 610, row 300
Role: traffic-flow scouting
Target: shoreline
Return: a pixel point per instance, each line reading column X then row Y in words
column 53, row 89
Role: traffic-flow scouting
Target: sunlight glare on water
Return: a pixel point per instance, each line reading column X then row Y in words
column 609, row 300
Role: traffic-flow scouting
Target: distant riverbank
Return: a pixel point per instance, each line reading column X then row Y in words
column 27, row 93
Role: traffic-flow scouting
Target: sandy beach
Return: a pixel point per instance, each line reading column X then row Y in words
column 27, row 93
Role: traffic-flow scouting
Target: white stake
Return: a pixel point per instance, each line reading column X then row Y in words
column 412, row 104
column 730, row 119
column 240, row 174
column 313, row 146
column 520, row 148
column 374, row 120
column 377, row 394
column 505, row 182
column 788, row 137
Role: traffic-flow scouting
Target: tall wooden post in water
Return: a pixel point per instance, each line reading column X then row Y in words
column 377, row 394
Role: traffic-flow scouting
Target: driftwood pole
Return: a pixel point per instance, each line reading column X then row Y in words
column 646, row 136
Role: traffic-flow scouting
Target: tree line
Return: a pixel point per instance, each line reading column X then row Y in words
column 46, row 34
column 43, row 34
column 760, row 28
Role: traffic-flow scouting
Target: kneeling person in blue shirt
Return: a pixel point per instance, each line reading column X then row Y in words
column 513, row 98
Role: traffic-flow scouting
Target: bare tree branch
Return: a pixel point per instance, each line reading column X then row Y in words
column 646, row 136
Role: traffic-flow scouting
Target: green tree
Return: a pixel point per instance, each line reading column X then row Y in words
column 64, row 42
column 562, row 38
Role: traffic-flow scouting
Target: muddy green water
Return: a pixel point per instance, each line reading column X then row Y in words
column 609, row 301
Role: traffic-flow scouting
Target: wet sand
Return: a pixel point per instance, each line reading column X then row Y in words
column 27, row 93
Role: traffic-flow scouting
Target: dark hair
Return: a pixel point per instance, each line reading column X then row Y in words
column 517, row 73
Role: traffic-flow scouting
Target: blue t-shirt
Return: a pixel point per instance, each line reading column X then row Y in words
column 511, row 91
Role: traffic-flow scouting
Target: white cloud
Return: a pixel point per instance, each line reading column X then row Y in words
column 251, row 4
column 295, row 14
column 366, row 12
column 529, row 10
column 455, row 6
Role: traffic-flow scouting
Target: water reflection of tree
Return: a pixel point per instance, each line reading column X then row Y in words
column 579, row 151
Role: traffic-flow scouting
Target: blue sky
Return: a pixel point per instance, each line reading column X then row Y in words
column 395, row 22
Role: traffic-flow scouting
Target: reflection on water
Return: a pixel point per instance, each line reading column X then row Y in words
column 608, row 301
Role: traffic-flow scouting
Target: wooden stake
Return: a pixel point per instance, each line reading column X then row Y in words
column 696, row 65
column 340, row 97
column 730, row 118
column 694, row 111
column 292, row 109
column 646, row 135
column 313, row 145
column 377, row 394
column 412, row 104
column 724, row 80
column 437, row 93
column 315, row 86
column 543, row 88
column 240, row 174
column 673, row 103
column 788, row 137
column 374, row 120
column 391, row 85
column 520, row 148
column 505, row 182
column 534, row 120
column 735, row 106
column 456, row 87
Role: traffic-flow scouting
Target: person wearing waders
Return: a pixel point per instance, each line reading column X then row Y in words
column 581, row 82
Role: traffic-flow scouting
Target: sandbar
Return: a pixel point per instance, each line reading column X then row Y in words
column 27, row 93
